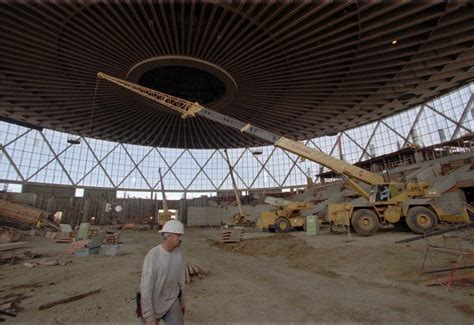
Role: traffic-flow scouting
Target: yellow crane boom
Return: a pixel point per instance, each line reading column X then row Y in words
column 389, row 202
column 190, row 109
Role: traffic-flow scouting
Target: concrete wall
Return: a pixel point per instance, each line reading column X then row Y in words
column 51, row 199
column 24, row 198
column 215, row 216
column 56, row 191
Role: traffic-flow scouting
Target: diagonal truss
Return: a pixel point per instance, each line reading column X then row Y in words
column 201, row 167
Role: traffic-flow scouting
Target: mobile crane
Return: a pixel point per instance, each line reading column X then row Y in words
column 387, row 202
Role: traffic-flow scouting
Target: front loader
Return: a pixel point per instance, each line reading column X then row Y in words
column 285, row 217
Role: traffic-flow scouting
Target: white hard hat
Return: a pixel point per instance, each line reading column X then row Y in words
column 173, row 226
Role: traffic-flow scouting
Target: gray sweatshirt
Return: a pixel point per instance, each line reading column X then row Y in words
column 162, row 279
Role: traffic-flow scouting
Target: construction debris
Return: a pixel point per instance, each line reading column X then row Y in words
column 34, row 259
column 4, row 310
column 64, row 237
column 21, row 213
column 112, row 238
column 231, row 234
column 8, row 246
column 100, row 243
column 9, row 260
column 8, row 235
column 47, row 262
column 193, row 271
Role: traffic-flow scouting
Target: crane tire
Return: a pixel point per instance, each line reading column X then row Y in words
column 282, row 225
column 365, row 222
column 421, row 219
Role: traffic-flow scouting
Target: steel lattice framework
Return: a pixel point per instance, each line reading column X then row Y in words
column 32, row 156
column 303, row 69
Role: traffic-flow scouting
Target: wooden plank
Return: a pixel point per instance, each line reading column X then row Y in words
column 68, row 300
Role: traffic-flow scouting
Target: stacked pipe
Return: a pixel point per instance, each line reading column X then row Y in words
column 194, row 271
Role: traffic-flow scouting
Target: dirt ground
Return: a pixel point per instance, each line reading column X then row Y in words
column 267, row 278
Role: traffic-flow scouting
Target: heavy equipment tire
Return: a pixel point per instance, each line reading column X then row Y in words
column 282, row 225
column 421, row 219
column 365, row 222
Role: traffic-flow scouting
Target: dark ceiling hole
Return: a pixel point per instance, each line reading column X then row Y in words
column 406, row 97
column 189, row 83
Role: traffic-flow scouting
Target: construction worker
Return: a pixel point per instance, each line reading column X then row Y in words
column 162, row 281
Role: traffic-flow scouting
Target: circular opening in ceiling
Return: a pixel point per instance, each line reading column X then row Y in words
column 188, row 83
column 187, row 78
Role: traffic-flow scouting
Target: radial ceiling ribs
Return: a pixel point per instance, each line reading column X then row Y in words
column 302, row 69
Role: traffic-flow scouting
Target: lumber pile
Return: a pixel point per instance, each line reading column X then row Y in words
column 193, row 271
column 231, row 234
column 21, row 213
column 64, row 237
column 112, row 238
column 111, row 245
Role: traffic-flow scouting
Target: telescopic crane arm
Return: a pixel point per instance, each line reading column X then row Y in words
column 190, row 109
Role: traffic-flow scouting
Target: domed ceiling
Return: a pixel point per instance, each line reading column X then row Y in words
column 300, row 69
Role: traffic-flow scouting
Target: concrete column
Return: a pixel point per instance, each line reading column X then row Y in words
column 183, row 211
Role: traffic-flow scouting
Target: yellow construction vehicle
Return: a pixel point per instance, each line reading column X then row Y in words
column 286, row 217
column 387, row 203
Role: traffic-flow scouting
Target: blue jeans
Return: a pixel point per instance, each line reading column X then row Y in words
column 174, row 316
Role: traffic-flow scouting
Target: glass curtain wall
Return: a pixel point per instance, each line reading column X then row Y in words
column 32, row 156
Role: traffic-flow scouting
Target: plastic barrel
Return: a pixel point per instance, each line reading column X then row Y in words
column 312, row 225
